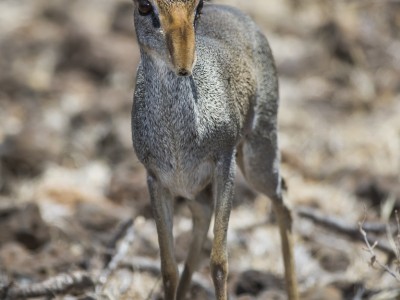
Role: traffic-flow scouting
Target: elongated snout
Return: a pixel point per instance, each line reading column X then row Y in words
column 181, row 46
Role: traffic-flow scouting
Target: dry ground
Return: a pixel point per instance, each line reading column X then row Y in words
column 70, row 182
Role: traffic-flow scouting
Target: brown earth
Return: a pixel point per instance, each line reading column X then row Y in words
column 70, row 182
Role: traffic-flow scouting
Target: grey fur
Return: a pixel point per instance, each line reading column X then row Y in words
column 188, row 130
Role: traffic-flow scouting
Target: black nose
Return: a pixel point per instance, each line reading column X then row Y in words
column 183, row 72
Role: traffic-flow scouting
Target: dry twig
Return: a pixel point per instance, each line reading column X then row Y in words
column 128, row 234
column 370, row 248
column 119, row 234
column 341, row 227
column 74, row 283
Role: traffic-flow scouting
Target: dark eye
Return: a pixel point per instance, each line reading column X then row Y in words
column 145, row 8
column 199, row 8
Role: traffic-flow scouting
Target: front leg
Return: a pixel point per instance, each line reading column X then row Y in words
column 223, row 191
column 162, row 206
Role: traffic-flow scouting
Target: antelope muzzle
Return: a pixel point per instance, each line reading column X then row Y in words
column 181, row 40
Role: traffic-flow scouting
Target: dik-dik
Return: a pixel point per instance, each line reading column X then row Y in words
column 206, row 98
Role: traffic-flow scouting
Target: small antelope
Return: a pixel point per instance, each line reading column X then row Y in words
column 206, row 97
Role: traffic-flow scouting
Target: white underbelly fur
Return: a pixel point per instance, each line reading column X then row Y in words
column 187, row 183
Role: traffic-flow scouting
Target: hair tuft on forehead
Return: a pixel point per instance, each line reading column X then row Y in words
column 172, row 2
column 167, row 4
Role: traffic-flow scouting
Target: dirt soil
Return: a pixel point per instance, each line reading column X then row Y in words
column 73, row 196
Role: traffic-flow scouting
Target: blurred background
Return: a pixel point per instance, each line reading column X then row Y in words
column 71, row 186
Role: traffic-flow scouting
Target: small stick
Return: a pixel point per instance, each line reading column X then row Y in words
column 120, row 254
column 370, row 249
column 119, row 234
column 77, row 282
column 341, row 227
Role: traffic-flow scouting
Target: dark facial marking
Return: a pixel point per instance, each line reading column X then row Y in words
column 199, row 8
column 155, row 20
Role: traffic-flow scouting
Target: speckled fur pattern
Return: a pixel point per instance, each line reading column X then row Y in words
column 181, row 123
column 189, row 131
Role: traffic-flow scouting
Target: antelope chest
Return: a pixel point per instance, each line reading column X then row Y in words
column 177, row 151
column 179, row 129
column 186, row 181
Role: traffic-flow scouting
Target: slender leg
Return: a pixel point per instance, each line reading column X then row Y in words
column 260, row 165
column 201, row 210
column 223, row 189
column 284, row 218
column 162, row 205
